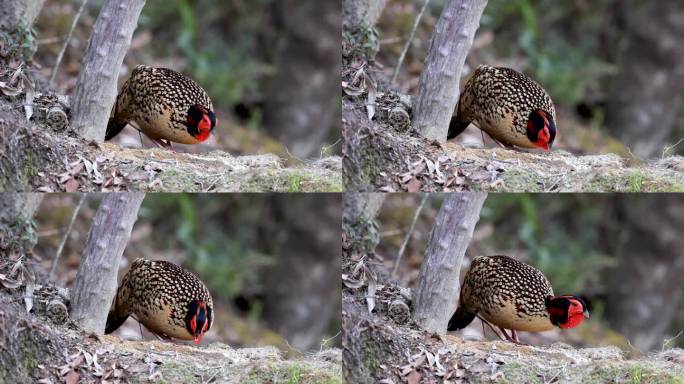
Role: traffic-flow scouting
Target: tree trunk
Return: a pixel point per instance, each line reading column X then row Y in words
column 646, row 285
column 16, row 207
column 438, row 87
column 20, row 14
column 438, row 280
column 360, row 207
column 358, row 214
column 96, row 85
column 306, row 275
column 645, row 96
column 96, row 281
column 361, row 14
column 17, row 236
column 302, row 105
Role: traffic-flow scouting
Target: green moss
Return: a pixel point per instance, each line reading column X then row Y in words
column 636, row 374
column 636, row 179
column 520, row 373
column 175, row 180
column 291, row 373
column 294, row 183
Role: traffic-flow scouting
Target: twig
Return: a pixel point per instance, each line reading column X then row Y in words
column 66, row 236
column 66, row 43
column 408, row 42
column 408, row 235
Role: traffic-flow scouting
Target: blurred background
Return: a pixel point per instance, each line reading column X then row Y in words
column 271, row 262
column 271, row 67
column 622, row 252
column 614, row 68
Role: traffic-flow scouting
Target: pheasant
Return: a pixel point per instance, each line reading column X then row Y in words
column 513, row 295
column 165, row 105
column 168, row 300
column 509, row 106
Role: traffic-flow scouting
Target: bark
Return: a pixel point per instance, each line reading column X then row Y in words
column 96, row 281
column 361, row 207
column 438, row 89
column 438, row 283
column 17, row 234
column 302, row 289
column 645, row 97
column 18, row 14
column 646, row 285
column 358, row 213
column 302, row 105
column 15, row 207
column 361, row 14
column 96, row 84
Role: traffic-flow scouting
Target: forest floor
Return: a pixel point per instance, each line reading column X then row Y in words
column 382, row 152
column 36, row 350
column 45, row 155
column 385, row 346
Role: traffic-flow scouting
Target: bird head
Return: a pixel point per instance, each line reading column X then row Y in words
column 567, row 311
column 200, row 122
column 198, row 319
column 541, row 129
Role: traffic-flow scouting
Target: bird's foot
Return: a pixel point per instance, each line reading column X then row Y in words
column 163, row 143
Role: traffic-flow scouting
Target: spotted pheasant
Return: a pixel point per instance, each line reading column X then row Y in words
column 168, row 300
column 509, row 106
column 165, row 105
column 513, row 295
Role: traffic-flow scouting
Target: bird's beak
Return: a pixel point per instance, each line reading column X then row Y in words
column 586, row 313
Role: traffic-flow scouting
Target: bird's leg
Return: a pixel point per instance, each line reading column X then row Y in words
column 490, row 327
column 509, row 338
column 515, row 336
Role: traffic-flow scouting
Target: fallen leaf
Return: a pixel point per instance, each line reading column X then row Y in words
column 71, row 377
column 413, row 377
column 71, row 185
column 414, row 185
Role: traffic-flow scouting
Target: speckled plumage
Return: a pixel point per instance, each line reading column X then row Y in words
column 158, row 100
column 506, row 293
column 499, row 101
column 158, row 294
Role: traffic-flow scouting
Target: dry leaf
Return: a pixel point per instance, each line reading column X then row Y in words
column 71, row 185
column 413, row 377
column 71, row 378
column 414, row 185
column 370, row 297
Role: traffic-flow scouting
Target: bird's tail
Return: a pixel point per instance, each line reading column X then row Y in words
column 460, row 319
column 114, row 321
column 456, row 126
column 113, row 128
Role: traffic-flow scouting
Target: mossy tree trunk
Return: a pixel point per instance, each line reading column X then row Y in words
column 96, row 84
column 643, row 292
column 361, row 14
column 645, row 96
column 439, row 274
column 17, row 236
column 297, row 292
column 96, row 281
column 302, row 103
column 438, row 87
